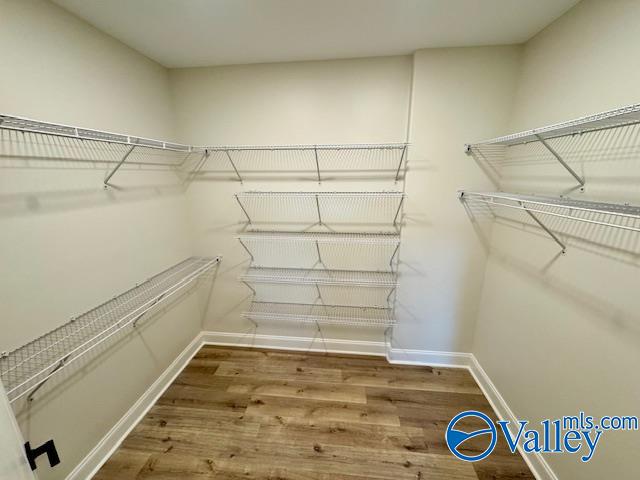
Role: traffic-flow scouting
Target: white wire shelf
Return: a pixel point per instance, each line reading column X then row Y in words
column 300, row 276
column 330, row 251
column 26, row 125
column 314, row 161
column 320, row 314
column 496, row 151
column 25, row 369
column 23, row 138
column 603, row 214
column 325, row 209
column 619, row 117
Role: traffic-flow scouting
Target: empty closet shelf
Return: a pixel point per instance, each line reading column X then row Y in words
column 27, row 367
column 320, row 314
column 619, row 117
column 352, row 238
column 615, row 215
column 318, row 208
column 319, row 161
column 22, row 138
column 329, row 251
column 300, row 276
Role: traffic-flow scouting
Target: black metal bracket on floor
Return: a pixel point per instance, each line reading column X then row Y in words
column 48, row 448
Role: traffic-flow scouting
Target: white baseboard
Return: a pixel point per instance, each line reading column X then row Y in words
column 535, row 461
column 429, row 358
column 101, row 453
column 305, row 344
column 112, row 440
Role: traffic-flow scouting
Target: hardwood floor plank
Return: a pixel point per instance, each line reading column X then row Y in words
column 298, row 389
column 239, row 413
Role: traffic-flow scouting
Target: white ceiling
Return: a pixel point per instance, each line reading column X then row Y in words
column 190, row 33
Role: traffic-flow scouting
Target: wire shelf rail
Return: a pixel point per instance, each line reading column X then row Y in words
column 24, row 370
column 322, row 208
column 320, row 314
column 497, row 148
column 609, row 215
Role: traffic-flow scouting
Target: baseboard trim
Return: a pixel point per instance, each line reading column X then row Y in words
column 430, row 358
column 305, row 344
column 535, row 461
column 112, row 440
column 90, row 465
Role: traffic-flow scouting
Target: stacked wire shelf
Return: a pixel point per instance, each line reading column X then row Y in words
column 321, row 257
column 25, row 369
column 547, row 211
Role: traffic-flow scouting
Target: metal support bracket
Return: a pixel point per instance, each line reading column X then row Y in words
column 393, row 256
column 544, row 227
column 120, row 163
column 192, row 174
column 135, row 322
column 315, row 152
column 249, row 287
column 395, row 219
column 318, row 210
column 243, row 209
column 562, row 162
column 248, row 251
column 233, row 165
column 40, row 385
column 319, row 255
column 404, row 150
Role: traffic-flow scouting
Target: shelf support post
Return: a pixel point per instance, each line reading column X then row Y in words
column 120, row 163
column 544, row 227
column 404, row 150
column 562, row 162
column 315, row 153
column 233, row 165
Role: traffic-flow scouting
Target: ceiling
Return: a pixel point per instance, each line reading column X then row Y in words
column 192, row 33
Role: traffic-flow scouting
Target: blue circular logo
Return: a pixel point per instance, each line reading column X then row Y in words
column 455, row 438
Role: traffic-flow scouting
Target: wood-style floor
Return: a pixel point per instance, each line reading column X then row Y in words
column 253, row 414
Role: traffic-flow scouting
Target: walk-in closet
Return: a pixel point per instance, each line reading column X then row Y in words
column 319, row 239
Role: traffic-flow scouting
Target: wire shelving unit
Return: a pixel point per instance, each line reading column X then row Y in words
column 497, row 148
column 322, row 208
column 24, row 370
column 320, row 314
column 609, row 215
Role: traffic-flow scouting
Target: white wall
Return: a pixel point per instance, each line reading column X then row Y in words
column 66, row 244
column 458, row 93
column 363, row 100
column 560, row 334
column 343, row 101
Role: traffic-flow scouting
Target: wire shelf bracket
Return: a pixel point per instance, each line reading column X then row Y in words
column 25, row 370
